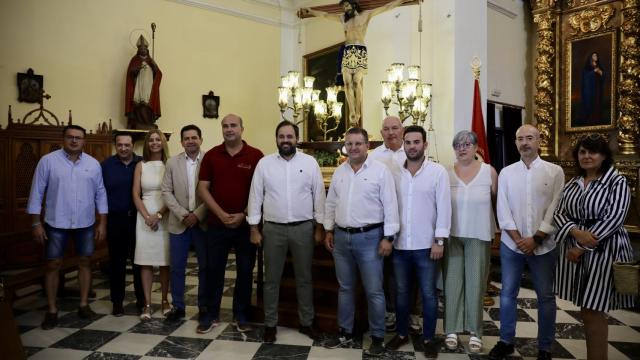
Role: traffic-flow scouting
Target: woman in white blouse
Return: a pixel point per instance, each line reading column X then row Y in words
column 474, row 186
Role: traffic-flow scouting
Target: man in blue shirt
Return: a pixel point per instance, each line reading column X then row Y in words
column 74, row 191
column 117, row 173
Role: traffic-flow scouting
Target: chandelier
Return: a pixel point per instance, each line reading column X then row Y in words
column 302, row 98
column 412, row 96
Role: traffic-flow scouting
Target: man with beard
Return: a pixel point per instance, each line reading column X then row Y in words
column 353, row 58
column 117, row 173
column 225, row 181
column 186, row 218
column 287, row 191
column 362, row 210
column 424, row 201
column 142, row 93
column 528, row 192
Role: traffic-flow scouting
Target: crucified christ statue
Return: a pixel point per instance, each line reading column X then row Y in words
column 354, row 55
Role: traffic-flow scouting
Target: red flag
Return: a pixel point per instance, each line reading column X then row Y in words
column 477, row 125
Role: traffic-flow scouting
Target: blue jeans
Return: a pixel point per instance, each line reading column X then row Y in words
column 219, row 241
column 179, row 245
column 542, row 268
column 409, row 266
column 57, row 241
column 353, row 252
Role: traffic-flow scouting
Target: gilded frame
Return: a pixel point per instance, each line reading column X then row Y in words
column 576, row 46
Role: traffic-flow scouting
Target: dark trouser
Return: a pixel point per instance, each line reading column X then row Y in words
column 179, row 245
column 121, row 239
column 219, row 241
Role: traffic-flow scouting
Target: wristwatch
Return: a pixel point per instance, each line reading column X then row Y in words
column 538, row 239
column 439, row 242
column 389, row 238
column 159, row 215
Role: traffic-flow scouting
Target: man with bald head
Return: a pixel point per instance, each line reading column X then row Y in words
column 224, row 184
column 391, row 153
column 528, row 192
column 392, row 148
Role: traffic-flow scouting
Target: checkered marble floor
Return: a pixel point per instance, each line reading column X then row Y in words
column 108, row 337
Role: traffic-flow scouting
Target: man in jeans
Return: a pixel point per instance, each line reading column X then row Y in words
column 287, row 191
column 362, row 210
column 425, row 220
column 187, row 215
column 74, row 190
column 528, row 192
column 224, row 183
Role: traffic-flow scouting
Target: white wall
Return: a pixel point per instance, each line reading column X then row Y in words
column 508, row 52
column 82, row 48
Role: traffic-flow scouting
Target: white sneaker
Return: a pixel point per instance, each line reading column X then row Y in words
column 415, row 324
column 390, row 321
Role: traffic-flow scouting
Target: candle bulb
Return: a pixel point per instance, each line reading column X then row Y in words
column 414, row 72
column 308, row 81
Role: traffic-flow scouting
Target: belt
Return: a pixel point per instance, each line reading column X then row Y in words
column 362, row 229
column 293, row 223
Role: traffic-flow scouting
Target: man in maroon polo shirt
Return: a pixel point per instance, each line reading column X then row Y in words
column 224, row 182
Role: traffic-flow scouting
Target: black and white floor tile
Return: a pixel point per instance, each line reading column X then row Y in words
column 119, row 338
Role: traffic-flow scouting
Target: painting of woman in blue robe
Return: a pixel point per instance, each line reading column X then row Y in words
column 591, row 70
column 591, row 104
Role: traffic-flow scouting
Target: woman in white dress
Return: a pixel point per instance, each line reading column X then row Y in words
column 152, row 236
column 474, row 185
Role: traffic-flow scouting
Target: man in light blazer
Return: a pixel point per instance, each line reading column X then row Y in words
column 187, row 215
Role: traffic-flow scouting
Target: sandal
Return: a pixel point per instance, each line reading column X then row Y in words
column 166, row 307
column 475, row 344
column 146, row 313
column 451, row 341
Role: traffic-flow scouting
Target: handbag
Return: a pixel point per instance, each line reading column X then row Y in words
column 626, row 277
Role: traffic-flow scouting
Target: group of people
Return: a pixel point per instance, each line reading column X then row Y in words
column 392, row 203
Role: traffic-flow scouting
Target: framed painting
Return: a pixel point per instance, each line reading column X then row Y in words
column 210, row 104
column 590, row 70
column 323, row 65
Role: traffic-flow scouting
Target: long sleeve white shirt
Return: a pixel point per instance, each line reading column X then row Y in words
column 527, row 198
column 361, row 198
column 286, row 190
column 424, row 200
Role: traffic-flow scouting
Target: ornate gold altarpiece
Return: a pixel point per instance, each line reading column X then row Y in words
column 559, row 26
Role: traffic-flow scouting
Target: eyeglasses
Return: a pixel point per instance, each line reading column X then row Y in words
column 462, row 146
column 73, row 138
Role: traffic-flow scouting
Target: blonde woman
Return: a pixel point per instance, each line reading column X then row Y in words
column 152, row 236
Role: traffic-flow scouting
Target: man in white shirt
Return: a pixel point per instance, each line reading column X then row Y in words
column 187, row 215
column 287, row 191
column 528, row 192
column 424, row 200
column 392, row 148
column 362, row 210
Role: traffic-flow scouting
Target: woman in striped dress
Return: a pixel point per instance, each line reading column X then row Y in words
column 590, row 219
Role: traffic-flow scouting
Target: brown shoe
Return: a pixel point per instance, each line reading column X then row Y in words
column 310, row 331
column 269, row 336
column 396, row 342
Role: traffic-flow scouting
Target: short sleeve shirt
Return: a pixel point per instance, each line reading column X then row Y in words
column 229, row 177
